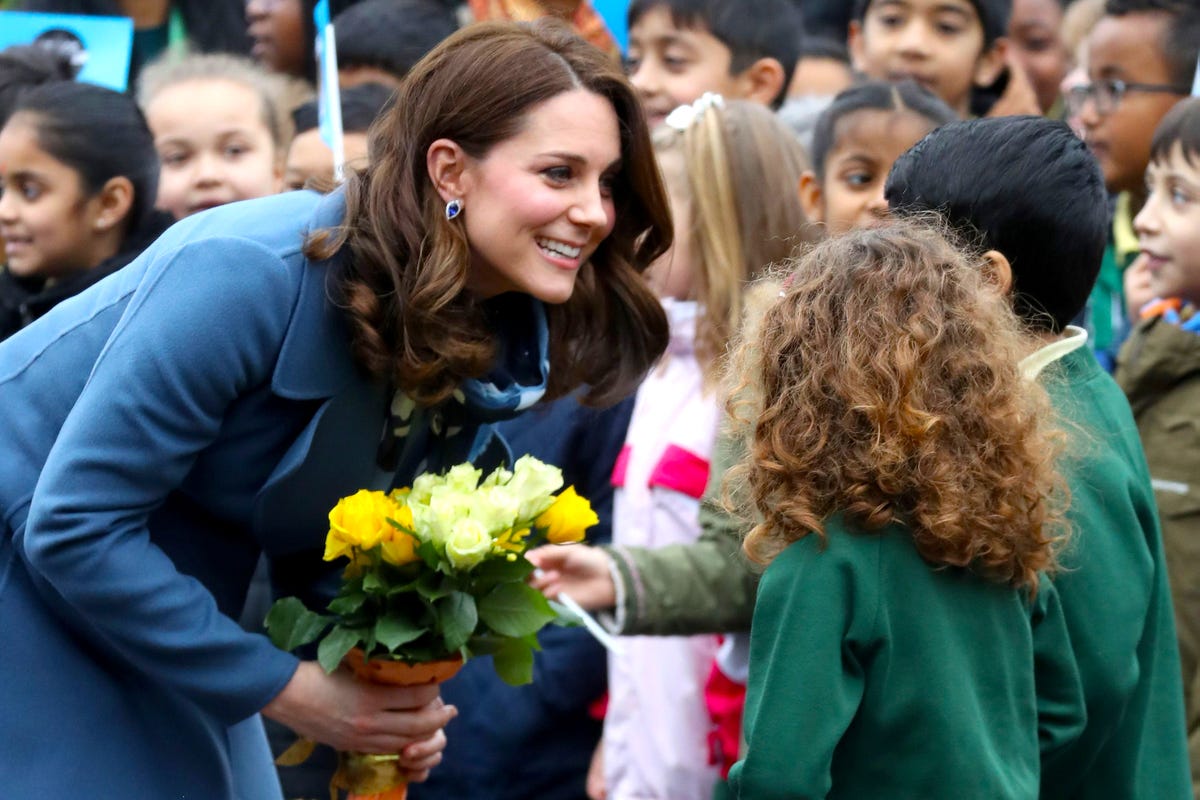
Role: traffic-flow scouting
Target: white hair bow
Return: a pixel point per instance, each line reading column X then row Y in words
column 682, row 117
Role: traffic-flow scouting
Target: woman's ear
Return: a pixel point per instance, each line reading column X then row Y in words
column 112, row 204
column 448, row 164
column 998, row 271
column 810, row 197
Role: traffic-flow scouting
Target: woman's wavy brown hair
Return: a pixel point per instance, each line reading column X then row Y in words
column 885, row 384
column 404, row 283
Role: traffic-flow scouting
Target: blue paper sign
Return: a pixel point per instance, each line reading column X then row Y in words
column 614, row 13
column 99, row 47
column 329, row 96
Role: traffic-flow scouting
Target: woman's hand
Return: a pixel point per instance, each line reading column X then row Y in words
column 349, row 714
column 582, row 572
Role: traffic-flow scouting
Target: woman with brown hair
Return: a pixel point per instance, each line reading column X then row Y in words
column 213, row 399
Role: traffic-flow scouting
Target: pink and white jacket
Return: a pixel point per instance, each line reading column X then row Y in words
column 657, row 725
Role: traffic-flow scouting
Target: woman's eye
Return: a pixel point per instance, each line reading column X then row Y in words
column 607, row 182
column 558, row 174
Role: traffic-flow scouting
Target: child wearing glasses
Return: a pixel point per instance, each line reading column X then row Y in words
column 1141, row 57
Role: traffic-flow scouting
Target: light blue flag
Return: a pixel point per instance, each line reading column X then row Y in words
column 329, row 95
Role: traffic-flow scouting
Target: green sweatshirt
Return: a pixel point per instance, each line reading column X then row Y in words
column 1117, row 603
column 874, row 675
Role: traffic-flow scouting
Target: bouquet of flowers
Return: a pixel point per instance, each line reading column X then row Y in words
column 437, row 573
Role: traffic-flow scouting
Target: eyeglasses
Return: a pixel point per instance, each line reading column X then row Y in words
column 1107, row 94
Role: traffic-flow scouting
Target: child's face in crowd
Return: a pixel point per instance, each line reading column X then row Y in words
column 1033, row 31
column 309, row 158
column 49, row 226
column 538, row 204
column 214, row 146
column 277, row 30
column 937, row 43
column 866, row 144
column 671, row 275
column 1168, row 226
column 672, row 66
column 1127, row 48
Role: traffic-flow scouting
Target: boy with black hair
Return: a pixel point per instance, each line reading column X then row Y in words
column 1141, row 57
column 378, row 41
column 309, row 159
column 680, row 49
column 1028, row 192
column 955, row 48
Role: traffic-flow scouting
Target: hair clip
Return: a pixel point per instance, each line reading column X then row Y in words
column 682, row 117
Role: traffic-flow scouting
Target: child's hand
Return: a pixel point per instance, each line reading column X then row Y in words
column 1019, row 96
column 1139, row 286
column 579, row 570
column 595, row 775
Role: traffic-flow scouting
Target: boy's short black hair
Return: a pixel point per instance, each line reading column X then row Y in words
column 1025, row 186
column 1181, row 40
column 770, row 29
column 1181, row 126
column 993, row 16
column 391, row 35
column 360, row 106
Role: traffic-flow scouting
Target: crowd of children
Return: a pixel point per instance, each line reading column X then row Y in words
column 905, row 509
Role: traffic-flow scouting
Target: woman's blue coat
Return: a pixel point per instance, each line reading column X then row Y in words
column 159, row 430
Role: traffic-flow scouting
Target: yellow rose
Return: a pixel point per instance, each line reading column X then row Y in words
column 567, row 519
column 468, row 544
column 398, row 547
column 359, row 520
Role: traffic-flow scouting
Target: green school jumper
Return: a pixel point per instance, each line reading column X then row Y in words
column 873, row 675
column 1115, row 596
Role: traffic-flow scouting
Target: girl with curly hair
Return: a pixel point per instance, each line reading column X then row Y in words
column 901, row 467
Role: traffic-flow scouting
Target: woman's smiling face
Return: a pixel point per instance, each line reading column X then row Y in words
column 538, row 204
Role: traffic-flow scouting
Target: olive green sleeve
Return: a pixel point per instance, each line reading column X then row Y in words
column 707, row 586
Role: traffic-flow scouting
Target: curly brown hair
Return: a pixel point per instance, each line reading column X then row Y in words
column 404, row 284
column 885, row 384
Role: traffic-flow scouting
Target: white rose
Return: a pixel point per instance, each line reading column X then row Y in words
column 532, row 484
column 463, row 477
column 468, row 544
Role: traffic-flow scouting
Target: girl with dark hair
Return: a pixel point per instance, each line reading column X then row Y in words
column 78, row 176
column 854, row 143
column 212, row 401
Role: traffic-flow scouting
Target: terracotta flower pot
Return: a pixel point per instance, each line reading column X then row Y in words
column 371, row 777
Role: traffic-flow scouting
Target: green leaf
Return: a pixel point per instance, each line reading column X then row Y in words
column 347, row 603
column 434, row 586
column 515, row 609
column 333, row 648
column 501, row 570
column 514, row 662
column 392, row 631
column 459, row 618
column 373, row 584
column 429, row 554
column 291, row 625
